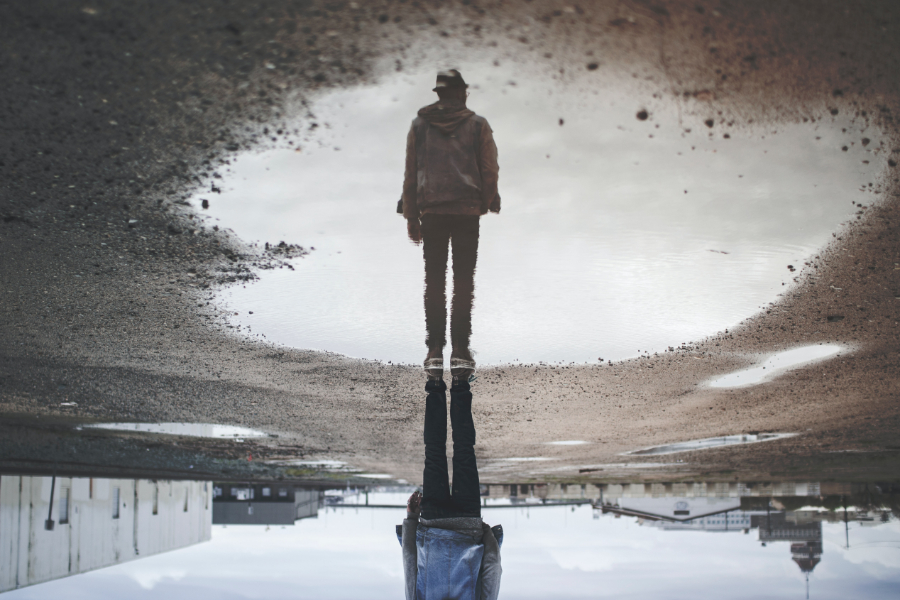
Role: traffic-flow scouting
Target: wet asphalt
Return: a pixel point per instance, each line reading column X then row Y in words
column 114, row 114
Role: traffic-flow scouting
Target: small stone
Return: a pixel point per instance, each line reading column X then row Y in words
column 709, row 122
column 642, row 115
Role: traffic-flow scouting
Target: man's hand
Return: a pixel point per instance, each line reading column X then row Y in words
column 414, row 504
column 414, row 230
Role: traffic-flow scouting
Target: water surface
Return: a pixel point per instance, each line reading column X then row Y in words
column 616, row 234
column 206, row 430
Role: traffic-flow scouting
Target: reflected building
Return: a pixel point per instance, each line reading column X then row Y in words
column 675, row 509
column 53, row 527
column 264, row 504
column 722, row 507
column 736, row 520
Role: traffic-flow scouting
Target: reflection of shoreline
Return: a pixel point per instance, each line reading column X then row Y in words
column 53, row 529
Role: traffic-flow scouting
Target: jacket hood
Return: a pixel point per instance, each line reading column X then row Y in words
column 445, row 116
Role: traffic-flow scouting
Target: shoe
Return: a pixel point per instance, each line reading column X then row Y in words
column 462, row 368
column 434, row 368
column 463, row 378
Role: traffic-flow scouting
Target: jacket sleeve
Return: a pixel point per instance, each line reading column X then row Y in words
column 489, row 577
column 410, row 177
column 490, row 170
column 410, row 556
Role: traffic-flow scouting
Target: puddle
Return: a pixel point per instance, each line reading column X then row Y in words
column 615, row 234
column 568, row 443
column 205, row 430
column 716, row 442
column 777, row 364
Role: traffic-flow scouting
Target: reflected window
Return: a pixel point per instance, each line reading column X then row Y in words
column 64, row 497
column 115, row 502
column 266, row 492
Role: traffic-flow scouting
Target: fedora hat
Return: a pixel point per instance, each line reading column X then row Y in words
column 449, row 79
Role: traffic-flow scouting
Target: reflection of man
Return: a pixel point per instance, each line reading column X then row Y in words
column 448, row 551
column 450, row 181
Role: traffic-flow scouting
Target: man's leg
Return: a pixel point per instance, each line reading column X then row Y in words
column 435, row 479
column 465, row 256
column 435, row 241
column 466, row 486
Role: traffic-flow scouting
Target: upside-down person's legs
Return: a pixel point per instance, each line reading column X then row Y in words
column 435, row 479
column 435, row 243
column 465, row 256
column 466, row 486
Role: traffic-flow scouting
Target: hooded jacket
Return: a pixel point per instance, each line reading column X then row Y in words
column 449, row 563
column 451, row 163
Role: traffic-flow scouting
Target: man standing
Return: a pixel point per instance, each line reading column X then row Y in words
column 450, row 181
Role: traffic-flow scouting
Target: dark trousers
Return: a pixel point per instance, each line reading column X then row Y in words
column 438, row 501
column 437, row 233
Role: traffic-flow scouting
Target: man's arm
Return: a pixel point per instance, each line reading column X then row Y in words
column 410, row 178
column 490, row 170
column 489, row 577
column 408, row 542
column 410, row 557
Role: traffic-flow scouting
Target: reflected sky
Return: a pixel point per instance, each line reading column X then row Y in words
column 551, row 552
column 616, row 235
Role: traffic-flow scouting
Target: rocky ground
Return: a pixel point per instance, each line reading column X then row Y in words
column 114, row 113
